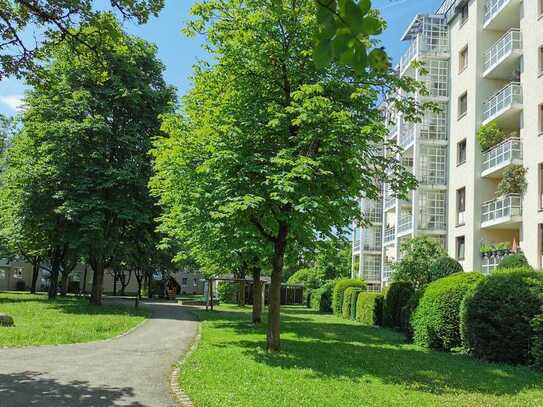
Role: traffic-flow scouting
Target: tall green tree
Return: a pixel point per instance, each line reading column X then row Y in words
column 287, row 144
column 91, row 116
column 45, row 18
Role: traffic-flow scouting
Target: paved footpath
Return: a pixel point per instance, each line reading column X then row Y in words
column 131, row 370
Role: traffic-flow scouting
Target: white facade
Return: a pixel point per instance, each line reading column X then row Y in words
column 485, row 65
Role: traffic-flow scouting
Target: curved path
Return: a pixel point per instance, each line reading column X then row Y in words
column 130, row 370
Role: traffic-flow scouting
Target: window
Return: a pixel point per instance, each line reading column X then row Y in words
column 462, row 105
column 540, row 7
column 540, row 120
column 461, row 207
column 464, row 13
column 460, row 247
column 184, row 281
column 540, row 183
column 540, row 58
column 463, row 59
column 461, row 152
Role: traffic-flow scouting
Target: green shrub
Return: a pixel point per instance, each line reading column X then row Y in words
column 407, row 312
column 354, row 299
column 307, row 297
column 490, row 135
column 228, row 292
column 398, row 295
column 513, row 181
column 339, row 290
column 436, row 321
column 536, row 347
column 496, row 314
column 346, row 308
column 444, row 266
column 514, row 261
column 369, row 308
column 321, row 298
column 309, row 277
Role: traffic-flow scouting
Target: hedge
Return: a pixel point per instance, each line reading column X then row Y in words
column 369, row 308
column 407, row 312
column 436, row 321
column 349, row 302
column 496, row 315
column 354, row 299
column 398, row 295
column 536, row 346
column 321, row 298
column 339, row 290
column 444, row 266
column 513, row 261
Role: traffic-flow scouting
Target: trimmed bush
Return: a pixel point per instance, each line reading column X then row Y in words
column 339, row 290
column 349, row 302
column 398, row 295
column 354, row 300
column 514, row 261
column 407, row 312
column 536, row 349
column 436, row 321
column 321, row 298
column 443, row 267
column 369, row 308
column 496, row 314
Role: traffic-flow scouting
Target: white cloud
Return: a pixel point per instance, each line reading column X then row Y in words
column 14, row 102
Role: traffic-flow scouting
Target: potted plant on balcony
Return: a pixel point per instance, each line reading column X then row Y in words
column 486, row 250
column 503, row 248
column 513, row 181
column 490, row 135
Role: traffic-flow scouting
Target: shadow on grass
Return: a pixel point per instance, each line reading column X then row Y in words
column 32, row 389
column 360, row 353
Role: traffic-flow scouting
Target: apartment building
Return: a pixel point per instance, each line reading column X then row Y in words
column 485, row 67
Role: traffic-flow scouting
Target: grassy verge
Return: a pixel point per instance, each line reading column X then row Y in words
column 66, row 320
column 327, row 361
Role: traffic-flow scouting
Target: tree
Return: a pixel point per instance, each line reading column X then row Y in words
column 94, row 114
column 417, row 257
column 286, row 145
column 18, row 18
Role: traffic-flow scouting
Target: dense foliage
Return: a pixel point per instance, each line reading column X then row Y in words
column 339, row 290
column 396, row 297
column 418, row 255
column 321, row 298
column 369, row 308
column 514, row 261
column 444, row 266
column 496, row 315
column 436, row 321
column 513, row 181
column 228, row 292
column 536, row 346
column 348, row 310
column 490, row 135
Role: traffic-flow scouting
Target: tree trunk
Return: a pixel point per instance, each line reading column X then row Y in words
column 149, row 286
column 274, row 308
column 97, row 283
column 139, row 286
column 114, row 283
column 64, row 288
column 35, row 273
column 85, row 280
column 53, row 281
column 257, row 296
column 241, row 298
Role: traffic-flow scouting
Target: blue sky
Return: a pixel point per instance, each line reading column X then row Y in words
column 179, row 53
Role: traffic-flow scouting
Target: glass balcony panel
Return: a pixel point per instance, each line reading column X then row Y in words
column 390, row 234
column 508, row 96
column 502, row 207
column 405, row 223
column 503, row 153
column 512, row 40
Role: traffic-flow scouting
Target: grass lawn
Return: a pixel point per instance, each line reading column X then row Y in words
column 327, row 361
column 66, row 320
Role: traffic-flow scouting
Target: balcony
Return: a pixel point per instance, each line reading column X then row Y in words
column 405, row 223
column 504, row 107
column 502, row 58
column 500, row 157
column 500, row 15
column 356, row 246
column 407, row 135
column 373, row 247
column 390, row 235
column 408, row 56
column 504, row 212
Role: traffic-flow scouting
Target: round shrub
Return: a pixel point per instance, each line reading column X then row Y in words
column 321, row 298
column 436, row 321
column 444, row 266
column 397, row 295
column 339, row 290
column 514, row 261
column 496, row 314
column 369, row 308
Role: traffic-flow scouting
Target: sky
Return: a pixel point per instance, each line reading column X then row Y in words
column 179, row 53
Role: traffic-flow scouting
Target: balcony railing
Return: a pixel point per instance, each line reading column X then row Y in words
column 492, row 8
column 390, row 234
column 356, row 245
column 508, row 96
column 405, row 223
column 512, row 40
column 502, row 207
column 407, row 134
column 372, row 246
column 504, row 153
column 408, row 56
column 387, row 271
